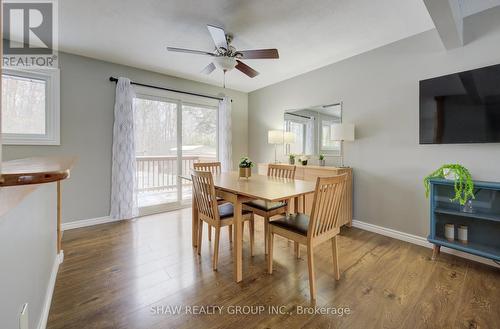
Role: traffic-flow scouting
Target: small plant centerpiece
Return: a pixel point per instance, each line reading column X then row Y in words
column 246, row 167
column 322, row 160
column 464, row 186
column 291, row 159
column 303, row 160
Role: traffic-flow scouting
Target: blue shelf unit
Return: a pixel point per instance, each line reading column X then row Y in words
column 483, row 222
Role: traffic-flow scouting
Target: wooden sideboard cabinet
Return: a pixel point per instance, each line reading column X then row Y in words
column 310, row 173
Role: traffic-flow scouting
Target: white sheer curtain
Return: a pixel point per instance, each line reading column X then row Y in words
column 309, row 149
column 123, row 180
column 225, row 131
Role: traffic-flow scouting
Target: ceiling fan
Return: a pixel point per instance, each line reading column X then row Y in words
column 226, row 57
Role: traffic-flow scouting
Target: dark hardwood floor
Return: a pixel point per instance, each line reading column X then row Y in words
column 121, row 275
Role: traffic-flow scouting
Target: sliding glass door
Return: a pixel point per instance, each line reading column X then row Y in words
column 199, row 139
column 170, row 136
column 156, row 153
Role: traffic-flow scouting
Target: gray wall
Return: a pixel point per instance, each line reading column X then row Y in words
column 27, row 255
column 87, row 100
column 380, row 92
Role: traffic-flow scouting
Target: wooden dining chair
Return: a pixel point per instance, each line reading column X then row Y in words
column 269, row 209
column 213, row 213
column 214, row 168
column 321, row 226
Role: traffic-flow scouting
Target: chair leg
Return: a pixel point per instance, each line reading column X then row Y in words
column 312, row 281
column 270, row 252
column 296, row 247
column 216, row 248
column 335, row 252
column 200, row 236
column 266, row 234
column 209, row 232
column 230, row 230
column 252, row 234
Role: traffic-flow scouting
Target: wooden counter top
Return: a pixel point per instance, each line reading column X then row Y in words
column 20, row 176
column 36, row 170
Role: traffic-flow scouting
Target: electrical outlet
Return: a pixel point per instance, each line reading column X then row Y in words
column 23, row 317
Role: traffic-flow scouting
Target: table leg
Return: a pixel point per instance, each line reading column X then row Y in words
column 59, row 235
column 296, row 211
column 195, row 222
column 238, row 241
column 296, row 205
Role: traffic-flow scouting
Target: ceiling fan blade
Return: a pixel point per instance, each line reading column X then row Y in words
column 190, row 51
column 218, row 35
column 208, row 69
column 259, row 54
column 246, row 69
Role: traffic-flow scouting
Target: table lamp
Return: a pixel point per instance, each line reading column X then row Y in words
column 275, row 137
column 342, row 132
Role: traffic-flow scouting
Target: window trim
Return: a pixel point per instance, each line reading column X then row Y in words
column 52, row 134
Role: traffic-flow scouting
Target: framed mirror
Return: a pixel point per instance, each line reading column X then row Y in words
column 311, row 127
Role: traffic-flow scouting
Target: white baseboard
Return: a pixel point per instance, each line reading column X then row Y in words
column 42, row 323
column 87, row 222
column 418, row 240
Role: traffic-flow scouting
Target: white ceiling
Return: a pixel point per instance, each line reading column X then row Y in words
column 308, row 34
column 471, row 7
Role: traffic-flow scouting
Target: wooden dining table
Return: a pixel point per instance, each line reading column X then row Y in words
column 236, row 190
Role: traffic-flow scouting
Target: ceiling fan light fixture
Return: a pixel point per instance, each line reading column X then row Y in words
column 226, row 57
column 225, row 63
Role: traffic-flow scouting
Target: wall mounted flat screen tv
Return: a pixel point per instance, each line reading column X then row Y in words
column 461, row 108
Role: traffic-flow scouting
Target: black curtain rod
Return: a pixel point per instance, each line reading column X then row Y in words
column 113, row 79
column 299, row 115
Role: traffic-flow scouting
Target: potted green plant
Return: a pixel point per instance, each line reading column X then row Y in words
column 322, row 160
column 464, row 185
column 291, row 159
column 303, row 160
column 246, row 167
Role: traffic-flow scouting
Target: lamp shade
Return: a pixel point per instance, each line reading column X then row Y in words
column 289, row 137
column 342, row 132
column 275, row 137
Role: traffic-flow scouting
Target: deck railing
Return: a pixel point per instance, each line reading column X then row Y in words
column 159, row 173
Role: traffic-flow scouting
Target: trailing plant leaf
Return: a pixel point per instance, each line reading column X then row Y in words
column 464, row 186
